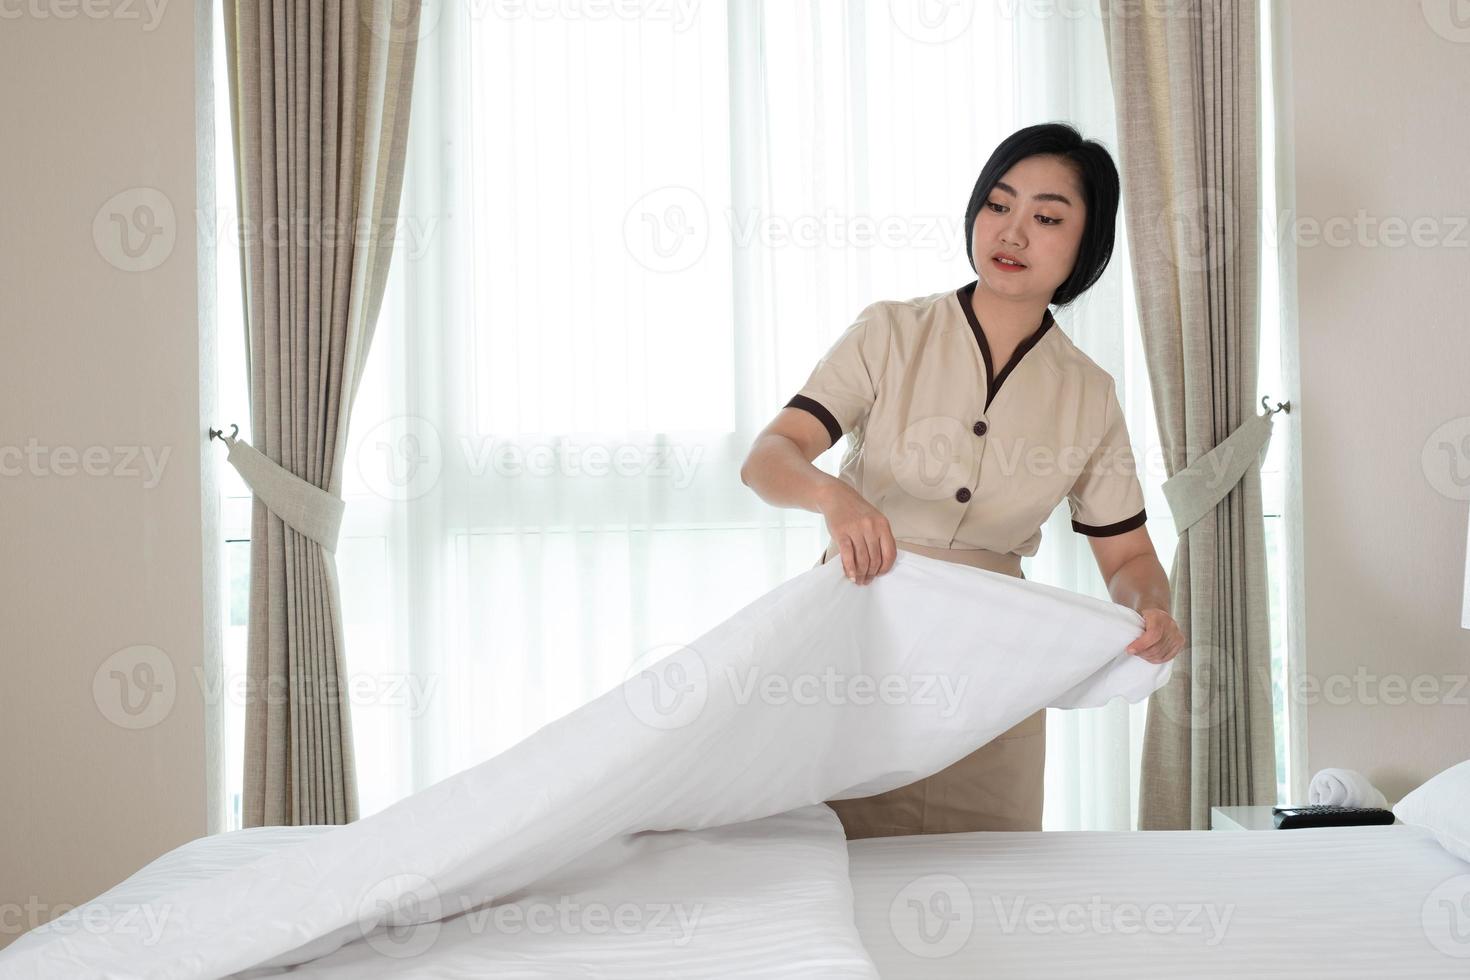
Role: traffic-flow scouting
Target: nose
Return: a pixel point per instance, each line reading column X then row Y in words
column 1014, row 231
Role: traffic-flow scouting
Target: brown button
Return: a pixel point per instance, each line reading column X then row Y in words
column 980, row 428
column 962, row 494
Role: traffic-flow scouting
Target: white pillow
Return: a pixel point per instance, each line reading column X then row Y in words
column 1442, row 806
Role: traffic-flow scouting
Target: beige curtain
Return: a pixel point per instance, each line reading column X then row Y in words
column 320, row 96
column 1185, row 84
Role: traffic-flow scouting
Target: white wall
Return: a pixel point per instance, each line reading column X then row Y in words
column 100, row 550
column 1379, row 94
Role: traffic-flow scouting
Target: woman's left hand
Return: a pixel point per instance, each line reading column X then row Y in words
column 1161, row 639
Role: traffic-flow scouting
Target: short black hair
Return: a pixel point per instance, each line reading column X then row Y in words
column 1099, row 178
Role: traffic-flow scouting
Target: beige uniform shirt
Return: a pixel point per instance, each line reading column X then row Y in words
column 958, row 454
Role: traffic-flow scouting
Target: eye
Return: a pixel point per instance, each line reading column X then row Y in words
column 1048, row 221
column 997, row 208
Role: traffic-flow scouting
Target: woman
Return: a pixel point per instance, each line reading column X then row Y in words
column 970, row 416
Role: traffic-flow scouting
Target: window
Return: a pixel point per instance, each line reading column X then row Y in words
column 1273, row 383
column 623, row 242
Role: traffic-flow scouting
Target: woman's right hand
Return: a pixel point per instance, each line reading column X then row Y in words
column 861, row 534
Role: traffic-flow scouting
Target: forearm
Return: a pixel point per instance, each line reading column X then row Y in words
column 1141, row 583
column 781, row 476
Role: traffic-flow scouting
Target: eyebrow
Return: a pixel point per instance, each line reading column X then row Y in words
column 1035, row 197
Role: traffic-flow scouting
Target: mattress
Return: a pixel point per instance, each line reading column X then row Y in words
column 1344, row 902
column 1352, row 902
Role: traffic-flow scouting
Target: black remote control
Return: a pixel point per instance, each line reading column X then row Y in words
column 1329, row 815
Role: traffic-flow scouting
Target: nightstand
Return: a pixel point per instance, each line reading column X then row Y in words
column 1249, row 818
column 1241, row 818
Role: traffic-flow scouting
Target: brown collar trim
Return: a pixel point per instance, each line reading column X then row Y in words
column 965, row 294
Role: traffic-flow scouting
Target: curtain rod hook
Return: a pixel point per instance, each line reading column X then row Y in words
column 220, row 433
column 1280, row 407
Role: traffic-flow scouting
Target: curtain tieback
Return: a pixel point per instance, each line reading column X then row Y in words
column 1195, row 490
column 303, row 505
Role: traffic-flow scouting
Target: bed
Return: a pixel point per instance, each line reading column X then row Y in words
column 1377, row 902
column 1366, row 902
column 675, row 827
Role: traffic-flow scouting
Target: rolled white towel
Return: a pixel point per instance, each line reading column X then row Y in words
column 1344, row 787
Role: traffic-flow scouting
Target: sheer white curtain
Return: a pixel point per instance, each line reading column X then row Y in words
column 626, row 238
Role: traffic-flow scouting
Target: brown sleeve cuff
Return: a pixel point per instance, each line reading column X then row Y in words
column 1107, row 530
column 820, row 411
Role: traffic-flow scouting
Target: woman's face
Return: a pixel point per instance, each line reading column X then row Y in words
column 1035, row 215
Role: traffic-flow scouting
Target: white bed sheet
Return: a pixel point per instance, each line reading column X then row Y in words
column 1374, row 902
column 820, row 689
column 763, row 899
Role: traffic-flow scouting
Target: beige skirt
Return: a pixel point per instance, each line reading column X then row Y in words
column 996, row 787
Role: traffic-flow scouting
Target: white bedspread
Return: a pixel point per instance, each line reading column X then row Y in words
column 820, row 689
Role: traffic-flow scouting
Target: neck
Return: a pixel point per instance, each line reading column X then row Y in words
column 1006, row 318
